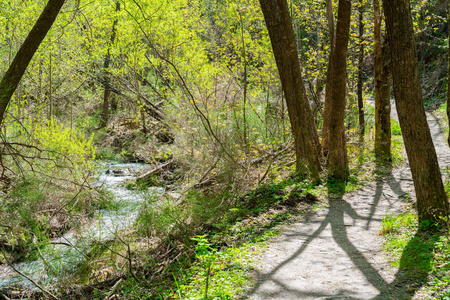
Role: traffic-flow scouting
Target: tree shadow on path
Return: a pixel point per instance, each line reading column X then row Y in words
column 415, row 264
column 387, row 178
column 416, row 256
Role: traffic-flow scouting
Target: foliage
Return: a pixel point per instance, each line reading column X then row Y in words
column 228, row 275
column 54, row 164
column 207, row 67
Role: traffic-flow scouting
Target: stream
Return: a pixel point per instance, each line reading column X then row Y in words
column 66, row 253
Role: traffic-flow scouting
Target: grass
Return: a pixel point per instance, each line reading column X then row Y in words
column 226, row 277
column 257, row 217
column 166, row 262
column 395, row 128
column 423, row 257
column 232, row 229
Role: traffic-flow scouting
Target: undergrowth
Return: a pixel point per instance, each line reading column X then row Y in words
column 202, row 245
column 219, row 235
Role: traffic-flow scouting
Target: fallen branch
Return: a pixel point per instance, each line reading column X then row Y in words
column 113, row 289
column 203, row 181
column 267, row 171
column 145, row 177
column 268, row 154
column 61, row 243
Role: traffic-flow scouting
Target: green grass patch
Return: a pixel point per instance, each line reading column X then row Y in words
column 217, row 274
column 395, row 128
column 423, row 257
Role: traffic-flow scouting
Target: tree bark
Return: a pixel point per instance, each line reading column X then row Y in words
column 107, row 62
column 382, row 102
column 337, row 157
column 279, row 25
column 448, row 71
column 384, row 113
column 328, row 87
column 26, row 52
column 431, row 197
column 362, row 127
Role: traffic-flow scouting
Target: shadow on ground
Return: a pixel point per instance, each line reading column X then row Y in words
column 415, row 260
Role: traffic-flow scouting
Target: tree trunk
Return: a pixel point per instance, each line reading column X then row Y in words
column 337, row 157
column 328, row 87
column 448, row 70
column 384, row 112
column 107, row 62
column 382, row 104
column 279, row 25
column 431, row 198
column 362, row 127
column 26, row 52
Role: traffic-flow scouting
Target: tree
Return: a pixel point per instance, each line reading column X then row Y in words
column 337, row 157
column 432, row 201
column 328, row 87
column 448, row 70
column 362, row 127
column 26, row 52
column 279, row 25
column 382, row 101
column 107, row 62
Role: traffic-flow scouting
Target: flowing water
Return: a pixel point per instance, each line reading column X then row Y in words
column 65, row 254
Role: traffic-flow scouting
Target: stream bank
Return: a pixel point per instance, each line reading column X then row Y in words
column 65, row 254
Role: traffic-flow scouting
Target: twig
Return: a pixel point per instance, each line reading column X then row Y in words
column 43, row 258
column 130, row 262
column 267, row 171
column 113, row 289
column 204, row 183
column 268, row 154
column 74, row 198
column 208, row 170
column 61, row 243
column 3, row 296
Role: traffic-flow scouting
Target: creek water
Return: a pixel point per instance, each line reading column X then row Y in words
column 66, row 253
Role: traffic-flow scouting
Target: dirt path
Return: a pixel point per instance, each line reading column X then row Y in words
column 337, row 254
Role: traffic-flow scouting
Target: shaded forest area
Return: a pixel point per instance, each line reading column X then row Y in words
column 244, row 112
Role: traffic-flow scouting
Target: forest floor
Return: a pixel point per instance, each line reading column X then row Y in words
column 337, row 252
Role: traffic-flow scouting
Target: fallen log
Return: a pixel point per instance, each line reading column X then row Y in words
column 145, row 177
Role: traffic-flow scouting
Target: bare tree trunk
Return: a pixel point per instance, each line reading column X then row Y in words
column 328, row 87
column 432, row 201
column 26, row 52
column 279, row 25
column 244, row 83
column 50, row 86
column 382, row 104
column 362, row 127
column 337, row 157
column 313, row 130
column 107, row 62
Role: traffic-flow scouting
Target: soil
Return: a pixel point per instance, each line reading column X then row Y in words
column 337, row 252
